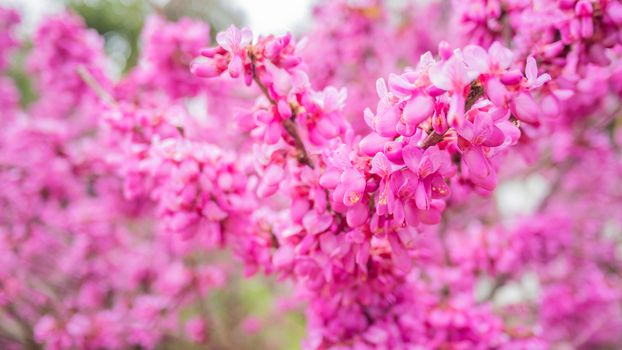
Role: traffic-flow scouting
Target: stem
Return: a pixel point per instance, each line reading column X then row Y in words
column 432, row 140
column 556, row 185
column 203, row 310
column 506, row 28
column 303, row 156
column 443, row 239
column 499, row 282
column 99, row 90
column 475, row 92
column 263, row 88
column 288, row 124
column 25, row 327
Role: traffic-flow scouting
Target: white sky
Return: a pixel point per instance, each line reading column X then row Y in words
column 275, row 16
column 264, row 16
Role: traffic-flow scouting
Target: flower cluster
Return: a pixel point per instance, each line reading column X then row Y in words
column 168, row 51
column 9, row 96
column 388, row 224
column 9, row 19
column 361, row 41
column 64, row 47
column 356, row 205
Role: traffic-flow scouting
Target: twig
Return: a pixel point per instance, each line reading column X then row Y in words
column 557, row 184
column 432, row 140
column 25, row 327
column 302, row 156
column 263, row 88
column 499, row 282
column 99, row 90
column 476, row 91
column 288, row 124
column 443, row 238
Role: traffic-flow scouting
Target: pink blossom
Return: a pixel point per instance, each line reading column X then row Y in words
column 400, row 217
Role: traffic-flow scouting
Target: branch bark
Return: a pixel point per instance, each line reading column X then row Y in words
column 99, row 90
column 288, row 124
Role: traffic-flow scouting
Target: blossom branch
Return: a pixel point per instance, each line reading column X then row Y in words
column 288, row 124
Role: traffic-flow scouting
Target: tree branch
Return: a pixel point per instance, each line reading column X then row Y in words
column 99, row 90
column 288, row 124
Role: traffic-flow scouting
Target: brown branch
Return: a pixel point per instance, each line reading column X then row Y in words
column 475, row 92
column 25, row 327
column 556, row 184
column 99, row 90
column 302, row 156
column 500, row 281
column 432, row 140
column 288, row 124
column 443, row 238
column 263, row 88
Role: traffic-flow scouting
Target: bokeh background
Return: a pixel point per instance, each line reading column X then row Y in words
column 121, row 21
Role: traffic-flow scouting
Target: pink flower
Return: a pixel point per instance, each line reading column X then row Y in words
column 353, row 184
column 428, row 165
column 477, row 168
column 235, row 41
column 525, row 108
column 251, row 325
column 483, row 131
column 495, row 61
column 531, row 72
column 195, row 329
column 453, row 76
column 388, row 237
column 417, row 110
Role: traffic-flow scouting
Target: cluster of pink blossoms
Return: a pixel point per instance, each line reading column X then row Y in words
column 387, row 222
column 170, row 47
column 361, row 41
column 358, row 204
column 63, row 44
column 9, row 19
column 82, row 265
column 9, row 96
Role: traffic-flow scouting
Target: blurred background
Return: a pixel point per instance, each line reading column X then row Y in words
column 121, row 21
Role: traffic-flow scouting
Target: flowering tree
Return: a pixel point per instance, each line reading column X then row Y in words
column 359, row 167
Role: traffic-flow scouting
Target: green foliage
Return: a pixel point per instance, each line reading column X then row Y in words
column 17, row 72
column 121, row 19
